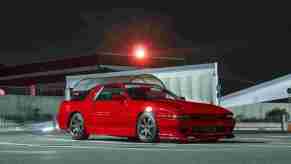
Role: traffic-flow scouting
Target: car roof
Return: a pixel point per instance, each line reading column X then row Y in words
column 122, row 85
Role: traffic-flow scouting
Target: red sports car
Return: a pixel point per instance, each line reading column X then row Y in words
column 142, row 111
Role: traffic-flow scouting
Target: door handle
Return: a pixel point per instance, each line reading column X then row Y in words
column 102, row 113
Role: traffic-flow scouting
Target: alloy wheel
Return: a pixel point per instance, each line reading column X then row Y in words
column 77, row 126
column 146, row 128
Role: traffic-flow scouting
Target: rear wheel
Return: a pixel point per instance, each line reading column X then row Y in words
column 147, row 128
column 77, row 128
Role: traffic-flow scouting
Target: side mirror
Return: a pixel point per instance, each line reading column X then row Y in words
column 118, row 97
column 182, row 98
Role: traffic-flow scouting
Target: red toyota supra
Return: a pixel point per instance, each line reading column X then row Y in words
column 145, row 112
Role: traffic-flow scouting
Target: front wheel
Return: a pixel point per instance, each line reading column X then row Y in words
column 147, row 128
column 213, row 140
column 77, row 128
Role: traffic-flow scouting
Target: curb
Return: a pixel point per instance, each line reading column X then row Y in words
column 259, row 132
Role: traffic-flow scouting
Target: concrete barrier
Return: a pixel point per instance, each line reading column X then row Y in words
column 259, row 126
column 23, row 110
column 20, row 110
column 12, row 104
column 259, row 110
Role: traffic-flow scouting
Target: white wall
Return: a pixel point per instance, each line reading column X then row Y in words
column 18, row 104
column 258, row 110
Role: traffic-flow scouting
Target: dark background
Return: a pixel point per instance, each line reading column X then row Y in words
column 252, row 40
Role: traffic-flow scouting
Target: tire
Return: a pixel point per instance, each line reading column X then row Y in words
column 146, row 128
column 132, row 139
column 77, row 128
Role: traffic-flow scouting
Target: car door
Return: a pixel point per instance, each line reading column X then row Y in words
column 107, row 110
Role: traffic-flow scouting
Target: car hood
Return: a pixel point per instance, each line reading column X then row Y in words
column 186, row 107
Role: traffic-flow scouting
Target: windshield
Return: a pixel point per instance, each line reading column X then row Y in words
column 149, row 92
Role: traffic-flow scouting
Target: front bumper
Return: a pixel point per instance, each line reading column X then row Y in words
column 197, row 130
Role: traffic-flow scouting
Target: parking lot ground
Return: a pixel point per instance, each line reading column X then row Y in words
column 262, row 148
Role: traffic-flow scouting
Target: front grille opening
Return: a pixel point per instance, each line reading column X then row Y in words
column 207, row 117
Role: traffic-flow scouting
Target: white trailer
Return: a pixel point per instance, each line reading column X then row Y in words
column 194, row 82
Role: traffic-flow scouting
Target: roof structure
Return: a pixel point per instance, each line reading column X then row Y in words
column 94, row 62
column 267, row 91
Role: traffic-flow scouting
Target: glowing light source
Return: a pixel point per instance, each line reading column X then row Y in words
column 2, row 92
column 148, row 109
column 139, row 52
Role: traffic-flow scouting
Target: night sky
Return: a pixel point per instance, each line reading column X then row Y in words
column 253, row 40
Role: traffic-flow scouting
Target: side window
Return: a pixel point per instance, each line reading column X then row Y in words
column 106, row 93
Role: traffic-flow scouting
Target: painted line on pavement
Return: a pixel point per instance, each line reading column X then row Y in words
column 225, row 148
column 257, row 138
column 27, row 152
column 117, row 148
column 287, row 137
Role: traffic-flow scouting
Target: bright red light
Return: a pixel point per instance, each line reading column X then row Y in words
column 139, row 52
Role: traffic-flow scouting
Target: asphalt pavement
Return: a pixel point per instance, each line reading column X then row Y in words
column 22, row 148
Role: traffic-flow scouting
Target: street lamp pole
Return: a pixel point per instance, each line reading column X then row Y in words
column 289, row 97
column 289, row 109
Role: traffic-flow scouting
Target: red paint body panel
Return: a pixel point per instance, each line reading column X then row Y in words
column 119, row 117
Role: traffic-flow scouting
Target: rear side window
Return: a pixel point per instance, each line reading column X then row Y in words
column 79, row 95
